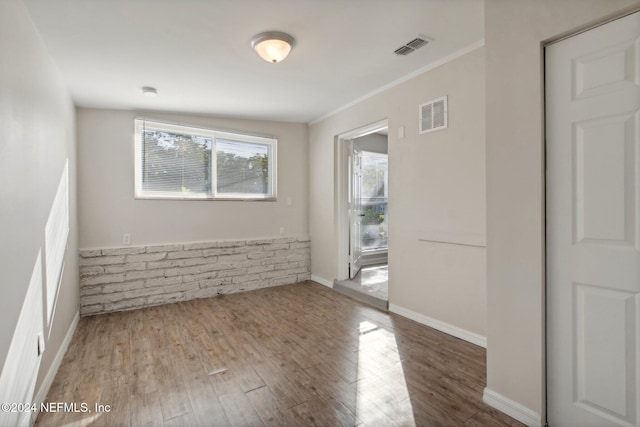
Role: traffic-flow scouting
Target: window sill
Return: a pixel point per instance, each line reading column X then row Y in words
column 208, row 199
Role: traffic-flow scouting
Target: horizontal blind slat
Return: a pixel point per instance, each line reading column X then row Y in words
column 179, row 163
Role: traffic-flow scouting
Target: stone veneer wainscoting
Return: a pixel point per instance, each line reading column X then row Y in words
column 132, row 277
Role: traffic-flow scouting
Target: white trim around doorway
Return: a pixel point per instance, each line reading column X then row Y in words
column 340, row 192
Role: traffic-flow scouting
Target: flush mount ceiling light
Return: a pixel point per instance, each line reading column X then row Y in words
column 273, row 46
column 149, row 91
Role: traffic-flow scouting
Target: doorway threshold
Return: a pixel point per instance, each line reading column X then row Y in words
column 370, row 286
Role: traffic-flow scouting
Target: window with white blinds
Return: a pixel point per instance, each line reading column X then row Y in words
column 180, row 162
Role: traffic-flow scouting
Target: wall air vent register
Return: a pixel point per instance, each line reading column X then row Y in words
column 433, row 115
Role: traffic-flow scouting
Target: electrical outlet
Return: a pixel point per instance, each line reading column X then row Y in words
column 126, row 239
column 289, row 201
column 281, row 230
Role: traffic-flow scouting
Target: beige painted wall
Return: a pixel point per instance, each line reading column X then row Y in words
column 37, row 135
column 107, row 208
column 514, row 31
column 436, row 183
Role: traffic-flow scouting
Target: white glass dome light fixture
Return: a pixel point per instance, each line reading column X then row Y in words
column 273, row 46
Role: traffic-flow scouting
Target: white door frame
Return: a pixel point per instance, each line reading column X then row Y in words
column 340, row 192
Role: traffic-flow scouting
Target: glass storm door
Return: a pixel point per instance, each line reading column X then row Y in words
column 355, row 210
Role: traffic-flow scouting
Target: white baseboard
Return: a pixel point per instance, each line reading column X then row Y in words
column 511, row 408
column 41, row 394
column 322, row 281
column 463, row 334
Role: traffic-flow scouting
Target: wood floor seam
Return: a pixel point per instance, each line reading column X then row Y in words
column 292, row 355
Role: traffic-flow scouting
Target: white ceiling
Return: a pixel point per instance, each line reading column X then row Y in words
column 197, row 53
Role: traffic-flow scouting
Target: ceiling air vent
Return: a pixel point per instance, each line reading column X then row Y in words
column 404, row 50
column 412, row 46
column 433, row 115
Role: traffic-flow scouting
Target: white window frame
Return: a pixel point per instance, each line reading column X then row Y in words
column 270, row 142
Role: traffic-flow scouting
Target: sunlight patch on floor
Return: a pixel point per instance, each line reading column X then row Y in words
column 373, row 275
column 381, row 388
column 84, row 421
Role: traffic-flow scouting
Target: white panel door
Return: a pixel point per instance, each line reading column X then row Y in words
column 355, row 211
column 593, row 227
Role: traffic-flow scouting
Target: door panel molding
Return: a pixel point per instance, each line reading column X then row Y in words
column 592, row 85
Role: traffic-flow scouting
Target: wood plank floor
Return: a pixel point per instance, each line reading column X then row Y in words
column 285, row 356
